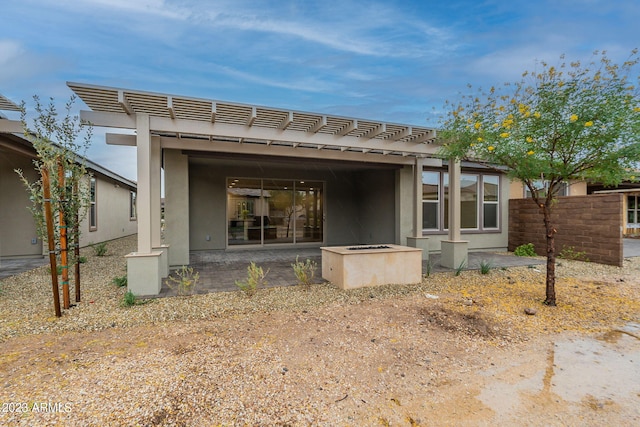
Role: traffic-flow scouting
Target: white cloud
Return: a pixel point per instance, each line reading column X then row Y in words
column 376, row 30
column 158, row 8
column 308, row 84
column 18, row 64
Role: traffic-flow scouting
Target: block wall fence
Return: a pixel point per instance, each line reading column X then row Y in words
column 590, row 224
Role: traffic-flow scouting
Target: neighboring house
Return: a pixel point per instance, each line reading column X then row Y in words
column 244, row 176
column 111, row 215
column 630, row 202
column 520, row 191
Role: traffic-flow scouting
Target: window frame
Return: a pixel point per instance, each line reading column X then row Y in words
column 635, row 210
column 562, row 191
column 93, row 204
column 443, row 198
column 133, row 208
column 437, row 201
column 496, row 202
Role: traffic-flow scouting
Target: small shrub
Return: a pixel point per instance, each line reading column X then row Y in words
column 305, row 271
column 120, row 281
column 525, row 250
column 485, row 266
column 129, row 299
column 569, row 252
column 185, row 282
column 458, row 270
column 428, row 268
column 82, row 260
column 255, row 280
column 58, row 269
column 100, row 249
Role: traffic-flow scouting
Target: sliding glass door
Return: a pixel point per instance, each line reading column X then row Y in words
column 267, row 211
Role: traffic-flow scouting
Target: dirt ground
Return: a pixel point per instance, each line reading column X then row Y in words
column 402, row 361
column 452, row 350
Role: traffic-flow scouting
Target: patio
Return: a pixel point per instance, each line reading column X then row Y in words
column 220, row 269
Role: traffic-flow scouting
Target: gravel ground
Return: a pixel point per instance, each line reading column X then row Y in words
column 391, row 355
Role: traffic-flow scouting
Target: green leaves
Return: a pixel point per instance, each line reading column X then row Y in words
column 61, row 142
column 570, row 122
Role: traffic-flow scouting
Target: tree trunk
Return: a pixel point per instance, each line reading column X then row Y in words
column 551, row 257
column 63, row 239
column 48, row 215
column 76, row 240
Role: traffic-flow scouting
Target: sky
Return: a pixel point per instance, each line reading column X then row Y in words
column 394, row 61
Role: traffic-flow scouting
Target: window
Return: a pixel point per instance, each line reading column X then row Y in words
column 633, row 211
column 430, row 200
column 562, row 189
column 266, row 211
column 132, row 205
column 469, row 201
column 479, row 201
column 490, row 201
column 93, row 220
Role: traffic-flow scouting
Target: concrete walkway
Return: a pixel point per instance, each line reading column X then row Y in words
column 11, row 267
column 631, row 248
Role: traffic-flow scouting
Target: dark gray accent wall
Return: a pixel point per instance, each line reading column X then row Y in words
column 376, row 206
column 341, row 223
column 207, row 200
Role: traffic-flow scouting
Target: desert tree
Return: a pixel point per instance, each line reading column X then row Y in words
column 60, row 196
column 557, row 124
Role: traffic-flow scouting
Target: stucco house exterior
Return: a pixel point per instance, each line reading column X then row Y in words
column 630, row 204
column 111, row 215
column 245, row 176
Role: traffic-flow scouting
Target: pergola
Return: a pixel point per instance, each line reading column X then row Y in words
column 7, row 104
column 202, row 125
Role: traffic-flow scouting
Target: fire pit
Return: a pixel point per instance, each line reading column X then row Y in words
column 371, row 265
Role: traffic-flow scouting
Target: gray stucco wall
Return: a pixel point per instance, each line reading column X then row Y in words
column 176, row 209
column 376, row 205
column 17, row 227
column 359, row 204
column 113, row 215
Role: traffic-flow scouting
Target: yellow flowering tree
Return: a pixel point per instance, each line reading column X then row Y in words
column 570, row 122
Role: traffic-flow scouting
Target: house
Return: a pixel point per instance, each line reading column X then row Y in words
column 111, row 214
column 245, row 176
column 630, row 204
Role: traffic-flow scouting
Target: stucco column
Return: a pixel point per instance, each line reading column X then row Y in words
column 417, row 240
column 144, row 205
column 454, row 200
column 154, row 178
column 454, row 252
column 156, row 207
column 417, row 197
column 145, row 267
column 176, row 206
